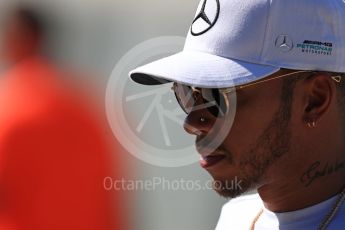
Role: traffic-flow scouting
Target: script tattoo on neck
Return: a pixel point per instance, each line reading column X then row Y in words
column 316, row 171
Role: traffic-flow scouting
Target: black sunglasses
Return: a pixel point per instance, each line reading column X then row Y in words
column 216, row 101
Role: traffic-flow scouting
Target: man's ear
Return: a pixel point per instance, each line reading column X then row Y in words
column 319, row 92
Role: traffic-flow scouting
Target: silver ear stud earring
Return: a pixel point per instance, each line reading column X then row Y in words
column 311, row 124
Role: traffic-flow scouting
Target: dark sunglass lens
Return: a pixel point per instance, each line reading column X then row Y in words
column 210, row 101
column 184, row 95
column 219, row 97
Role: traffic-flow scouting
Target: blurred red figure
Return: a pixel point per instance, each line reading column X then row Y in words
column 53, row 155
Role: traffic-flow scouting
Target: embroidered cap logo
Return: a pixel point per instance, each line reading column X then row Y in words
column 284, row 43
column 206, row 18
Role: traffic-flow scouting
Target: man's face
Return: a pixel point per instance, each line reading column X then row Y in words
column 259, row 135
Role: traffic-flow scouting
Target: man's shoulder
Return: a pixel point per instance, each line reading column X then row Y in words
column 242, row 205
column 242, row 201
column 239, row 212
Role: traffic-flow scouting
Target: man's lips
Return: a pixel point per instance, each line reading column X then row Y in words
column 209, row 161
column 205, row 152
column 210, row 157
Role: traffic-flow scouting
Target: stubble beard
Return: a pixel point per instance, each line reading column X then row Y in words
column 272, row 144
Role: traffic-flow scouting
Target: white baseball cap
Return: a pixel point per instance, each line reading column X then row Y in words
column 234, row 42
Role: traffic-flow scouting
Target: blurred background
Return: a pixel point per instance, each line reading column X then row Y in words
column 88, row 38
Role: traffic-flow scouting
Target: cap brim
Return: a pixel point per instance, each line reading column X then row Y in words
column 200, row 70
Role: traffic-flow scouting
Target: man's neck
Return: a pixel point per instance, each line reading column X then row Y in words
column 318, row 182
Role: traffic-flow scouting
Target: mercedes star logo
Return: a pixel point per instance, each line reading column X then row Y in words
column 284, row 43
column 206, row 18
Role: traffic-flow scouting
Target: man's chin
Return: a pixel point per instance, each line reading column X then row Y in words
column 233, row 188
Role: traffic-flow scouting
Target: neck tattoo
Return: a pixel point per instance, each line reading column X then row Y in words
column 317, row 171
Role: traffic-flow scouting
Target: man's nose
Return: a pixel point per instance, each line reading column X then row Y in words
column 198, row 122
